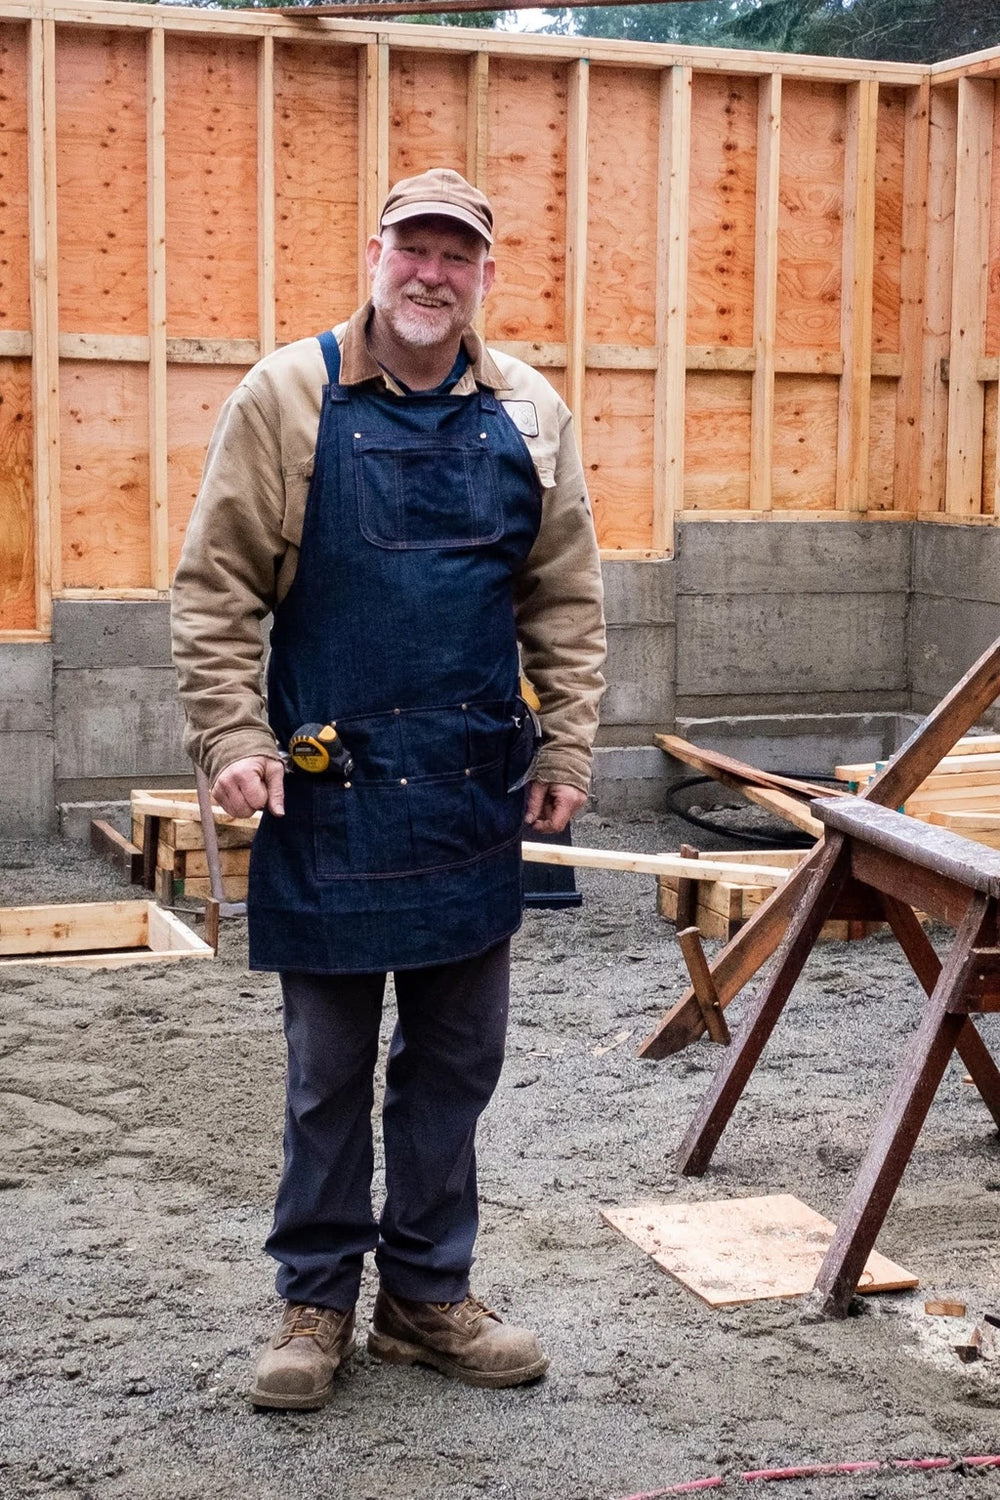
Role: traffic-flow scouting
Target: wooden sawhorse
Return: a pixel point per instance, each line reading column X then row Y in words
column 877, row 862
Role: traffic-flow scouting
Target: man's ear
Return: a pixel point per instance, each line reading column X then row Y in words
column 489, row 271
column 373, row 253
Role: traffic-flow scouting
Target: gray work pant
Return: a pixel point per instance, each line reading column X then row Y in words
column 443, row 1066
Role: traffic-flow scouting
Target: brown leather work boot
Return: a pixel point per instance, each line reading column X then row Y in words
column 296, row 1367
column 462, row 1339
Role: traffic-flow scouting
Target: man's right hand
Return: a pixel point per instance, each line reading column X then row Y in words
column 252, row 783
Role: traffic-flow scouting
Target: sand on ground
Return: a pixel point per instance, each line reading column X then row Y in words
column 140, row 1151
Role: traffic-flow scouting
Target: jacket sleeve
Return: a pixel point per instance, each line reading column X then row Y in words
column 225, row 585
column 559, row 601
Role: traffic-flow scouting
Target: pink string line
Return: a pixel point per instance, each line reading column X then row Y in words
column 812, row 1471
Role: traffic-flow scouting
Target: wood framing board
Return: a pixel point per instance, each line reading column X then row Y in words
column 853, row 427
column 912, row 268
column 972, row 745
column 722, row 906
column 18, row 601
column 964, row 476
column 650, row 864
column 765, row 290
column 96, row 935
column 744, row 1249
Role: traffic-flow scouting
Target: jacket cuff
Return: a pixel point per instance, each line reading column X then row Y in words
column 239, row 745
column 564, row 768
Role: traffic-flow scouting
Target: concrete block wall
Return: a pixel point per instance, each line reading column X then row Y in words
column 792, row 644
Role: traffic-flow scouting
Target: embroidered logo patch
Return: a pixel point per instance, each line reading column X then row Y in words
column 523, row 415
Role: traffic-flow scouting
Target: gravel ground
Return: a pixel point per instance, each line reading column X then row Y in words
column 139, row 1158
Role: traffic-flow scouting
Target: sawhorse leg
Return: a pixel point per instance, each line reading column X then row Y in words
column 916, row 1084
column 927, row 966
column 702, row 1137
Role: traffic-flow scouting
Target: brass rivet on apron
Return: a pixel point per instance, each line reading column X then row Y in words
column 468, row 771
column 482, row 435
column 464, row 706
column 402, row 781
column 397, row 710
column 346, row 785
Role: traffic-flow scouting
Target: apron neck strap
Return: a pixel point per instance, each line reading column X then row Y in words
column 331, row 358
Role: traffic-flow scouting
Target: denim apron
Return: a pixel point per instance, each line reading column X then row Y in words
column 399, row 627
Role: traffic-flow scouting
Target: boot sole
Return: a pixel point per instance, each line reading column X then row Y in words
column 398, row 1352
column 279, row 1401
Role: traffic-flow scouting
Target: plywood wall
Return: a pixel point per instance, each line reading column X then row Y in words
column 740, row 270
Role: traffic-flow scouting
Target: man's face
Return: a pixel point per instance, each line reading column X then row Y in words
column 429, row 278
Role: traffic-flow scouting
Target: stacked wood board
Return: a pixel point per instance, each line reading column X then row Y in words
column 181, row 860
column 720, row 907
column 962, row 793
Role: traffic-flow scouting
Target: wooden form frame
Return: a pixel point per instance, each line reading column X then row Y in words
column 96, row 935
column 746, row 300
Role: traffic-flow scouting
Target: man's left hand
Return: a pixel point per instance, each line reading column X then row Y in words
column 551, row 805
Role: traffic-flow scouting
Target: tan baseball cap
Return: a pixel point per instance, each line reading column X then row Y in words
column 444, row 194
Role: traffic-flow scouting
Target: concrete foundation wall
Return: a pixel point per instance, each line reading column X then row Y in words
column 954, row 609
column 791, row 644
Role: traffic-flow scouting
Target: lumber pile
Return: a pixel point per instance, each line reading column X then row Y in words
column 719, row 908
column 181, row 863
column 961, row 793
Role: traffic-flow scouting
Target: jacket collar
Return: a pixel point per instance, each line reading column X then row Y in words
column 357, row 363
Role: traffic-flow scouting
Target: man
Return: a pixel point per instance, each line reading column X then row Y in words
column 412, row 509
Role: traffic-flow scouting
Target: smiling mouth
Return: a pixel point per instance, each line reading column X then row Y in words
column 428, row 303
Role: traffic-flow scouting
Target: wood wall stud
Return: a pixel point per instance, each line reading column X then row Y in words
column 159, row 518
column 765, row 290
column 576, row 235
column 265, row 193
column 966, row 398
column 671, row 303
column 912, row 271
column 44, row 312
column 853, row 423
column 373, row 178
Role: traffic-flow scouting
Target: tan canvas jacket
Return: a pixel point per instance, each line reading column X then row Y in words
column 241, row 550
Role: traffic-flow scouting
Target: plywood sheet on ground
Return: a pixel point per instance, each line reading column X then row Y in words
column 526, row 181
column 15, row 291
column 101, row 175
column 621, row 206
column 211, row 142
column 316, row 187
column 744, row 1249
column 721, row 209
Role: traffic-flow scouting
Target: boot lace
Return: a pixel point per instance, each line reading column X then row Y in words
column 309, row 1322
column 473, row 1309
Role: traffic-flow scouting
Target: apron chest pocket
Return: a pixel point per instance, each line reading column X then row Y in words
column 427, row 494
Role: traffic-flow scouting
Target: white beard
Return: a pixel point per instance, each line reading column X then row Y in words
column 423, row 327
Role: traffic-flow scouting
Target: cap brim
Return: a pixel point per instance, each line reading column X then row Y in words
column 435, row 209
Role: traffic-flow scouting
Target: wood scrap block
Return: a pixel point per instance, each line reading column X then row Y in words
column 744, row 1249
